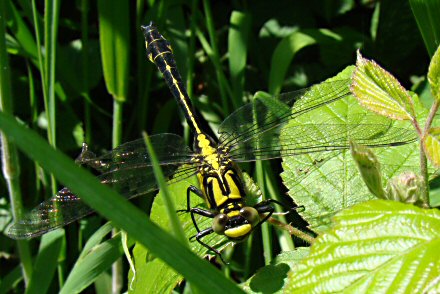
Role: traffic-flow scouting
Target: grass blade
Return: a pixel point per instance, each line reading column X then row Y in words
column 115, row 208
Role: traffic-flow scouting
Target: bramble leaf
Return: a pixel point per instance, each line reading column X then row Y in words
column 374, row 247
column 377, row 90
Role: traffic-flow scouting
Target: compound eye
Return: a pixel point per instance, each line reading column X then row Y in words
column 250, row 214
column 219, row 223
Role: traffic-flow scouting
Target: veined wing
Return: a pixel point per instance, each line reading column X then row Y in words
column 127, row 169
column 271, row 127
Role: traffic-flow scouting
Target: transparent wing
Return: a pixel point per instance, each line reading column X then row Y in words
column 127, row 169
column 271, row 127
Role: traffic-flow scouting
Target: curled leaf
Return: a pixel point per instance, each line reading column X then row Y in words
column 434, row 74
column 432, row 145
column 406, row 187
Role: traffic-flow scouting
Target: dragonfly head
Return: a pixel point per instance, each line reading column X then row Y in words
column 236, row 224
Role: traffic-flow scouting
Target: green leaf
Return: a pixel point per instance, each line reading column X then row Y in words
column 70, row 64
column 114, row 37
column 427, row 15
column 175, row 225
column 12, row 278
column 46, row 262
column 269, row 279
column 114, row 207
column 326, row 182
column 282, row 57
column 238, row 36
column 431, row 143
column 273, row 278
column 434, row 74
column 375, row 247
column 152, row 274
column 21, row 33
column 292, row 257
column 94, row 260
column 292, row 44
column 377, row 90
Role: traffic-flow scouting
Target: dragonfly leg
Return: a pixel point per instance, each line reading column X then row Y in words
column 202, row 234
column 202, row 212
column 190, row 189
column 265, row 206
column 193, row 211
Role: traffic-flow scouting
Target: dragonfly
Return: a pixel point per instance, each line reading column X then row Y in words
column 249, row 134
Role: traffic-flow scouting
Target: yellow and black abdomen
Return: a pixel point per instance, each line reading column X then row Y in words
column 160, row 53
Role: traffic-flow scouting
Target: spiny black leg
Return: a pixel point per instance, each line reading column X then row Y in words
column 264, row 206
column 190, row 189
column 202, row 212
column 202, row 234
column 193, row 211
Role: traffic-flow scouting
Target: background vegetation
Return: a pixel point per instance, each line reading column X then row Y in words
column 79, row 73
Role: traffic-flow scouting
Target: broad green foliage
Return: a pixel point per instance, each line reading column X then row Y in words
column 426, row 12
column 327, row 182
column 115, row 46
column 274, row 277
column 375, row 247
column 225, row 51
column 96, row 257
column 162, row 278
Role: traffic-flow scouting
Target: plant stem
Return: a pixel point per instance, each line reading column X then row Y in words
column 85, row 69
column 265, row 230
column 10, row 161
column 292, row 230
column 423, row 160
column 224, row 87
column 116, row 141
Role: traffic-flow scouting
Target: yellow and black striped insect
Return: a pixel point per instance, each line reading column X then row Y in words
column 251, row 133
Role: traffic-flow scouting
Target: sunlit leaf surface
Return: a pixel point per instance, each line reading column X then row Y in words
column 379, row 91
column 432, row 146
column 162, row 278
column 375, row 247
column 328, row 181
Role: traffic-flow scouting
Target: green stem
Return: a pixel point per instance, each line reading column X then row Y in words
column 265, row 230
column 423, row 161
column 117, row 123
column 10, row 161
column 285, row 239
column 224, row 87
column 85, row 68
column 51, row 17
column 191, row 51
column 116, row 141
